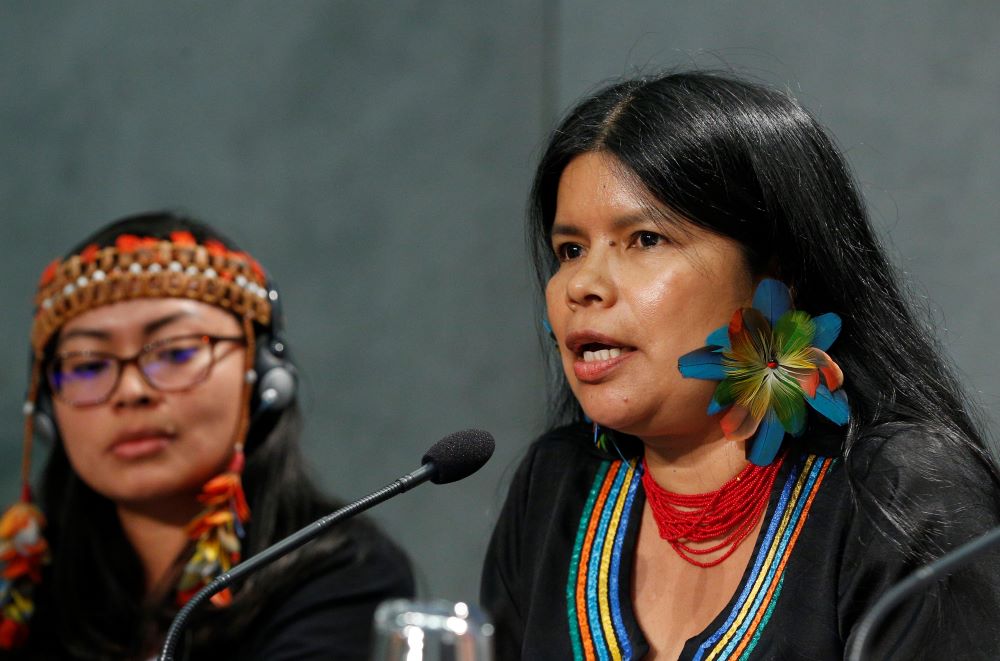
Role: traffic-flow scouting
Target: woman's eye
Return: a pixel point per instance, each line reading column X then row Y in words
column 646, row 239
column 89, row 369
column 177, row 355
column 568, row 251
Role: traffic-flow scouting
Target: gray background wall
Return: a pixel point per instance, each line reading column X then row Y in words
column 376, row 156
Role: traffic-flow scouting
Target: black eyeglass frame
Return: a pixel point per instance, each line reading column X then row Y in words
column 122, row 362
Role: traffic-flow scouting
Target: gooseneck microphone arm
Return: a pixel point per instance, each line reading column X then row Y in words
column 922, row 577
column 452, row 458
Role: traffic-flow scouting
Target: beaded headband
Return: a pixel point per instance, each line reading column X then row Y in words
column 147, row 267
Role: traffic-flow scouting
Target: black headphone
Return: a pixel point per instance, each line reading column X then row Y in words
column 277, row 378
column 275, row 374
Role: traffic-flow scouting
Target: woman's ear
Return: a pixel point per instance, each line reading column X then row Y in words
column 772, row 269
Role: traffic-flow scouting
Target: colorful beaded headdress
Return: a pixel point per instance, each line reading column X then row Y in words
column 136, row 267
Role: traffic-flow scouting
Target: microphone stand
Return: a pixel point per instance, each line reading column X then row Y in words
column 405, row 483
column 922, row 577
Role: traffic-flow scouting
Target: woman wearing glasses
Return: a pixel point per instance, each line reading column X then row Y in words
column 162, row 378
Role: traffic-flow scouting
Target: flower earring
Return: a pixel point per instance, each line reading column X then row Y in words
column 771, row 360
column 23, row 551
column 217, row 532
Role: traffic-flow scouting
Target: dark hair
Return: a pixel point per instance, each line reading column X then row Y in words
column 92, row 602
column 748, row 162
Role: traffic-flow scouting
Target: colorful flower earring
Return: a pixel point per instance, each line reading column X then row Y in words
column 218, row 529
column 217, row 532
column 23, row 552
column 771, row 360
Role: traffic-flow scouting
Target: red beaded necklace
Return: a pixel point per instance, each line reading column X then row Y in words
column 728, row 514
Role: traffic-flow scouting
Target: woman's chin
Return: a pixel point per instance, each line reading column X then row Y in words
column 614, row 418
column 149, row 490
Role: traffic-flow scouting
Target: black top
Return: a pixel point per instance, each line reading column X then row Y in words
column 322, row 609
column 329, row 616
column 557, row 577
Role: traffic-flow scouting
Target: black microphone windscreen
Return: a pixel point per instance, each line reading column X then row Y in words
column 459, row 455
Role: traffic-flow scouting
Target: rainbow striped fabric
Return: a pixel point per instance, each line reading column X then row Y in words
column 594, row 594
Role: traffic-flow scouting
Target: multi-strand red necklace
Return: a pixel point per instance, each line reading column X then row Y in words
column 727, row 514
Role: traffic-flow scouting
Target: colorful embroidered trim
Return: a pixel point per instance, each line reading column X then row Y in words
column 738, row 636
column 593, row 593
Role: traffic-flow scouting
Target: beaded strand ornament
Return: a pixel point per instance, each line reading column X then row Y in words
column 722, row 519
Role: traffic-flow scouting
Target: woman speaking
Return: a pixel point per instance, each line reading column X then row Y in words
column 756, row 436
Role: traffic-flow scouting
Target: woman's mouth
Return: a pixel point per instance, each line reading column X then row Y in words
column 596, row 360
column 142, row 443
column 602, row 354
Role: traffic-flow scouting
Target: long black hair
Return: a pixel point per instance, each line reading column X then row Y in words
column 748, row 162
column 92, row 602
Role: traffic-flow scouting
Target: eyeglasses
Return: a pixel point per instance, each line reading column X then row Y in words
column 87, row 378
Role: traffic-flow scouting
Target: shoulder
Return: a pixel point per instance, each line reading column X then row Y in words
column 931, row 486
column 566, row 443
column 554, row 474
column 918, row 493
column 535, row 530
column 920, row 461
column 328, row 612
column 366, row 563
column 552, row 482
column 572, row 439
column 572, row 443
column 559, row 455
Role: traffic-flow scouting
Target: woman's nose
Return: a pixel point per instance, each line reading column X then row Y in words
column 592, row 282
column 132, row 387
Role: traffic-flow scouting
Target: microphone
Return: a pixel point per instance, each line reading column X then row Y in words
column 453, row 458
column 922, row 577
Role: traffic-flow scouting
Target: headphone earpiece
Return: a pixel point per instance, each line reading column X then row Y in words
column 276, row 376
